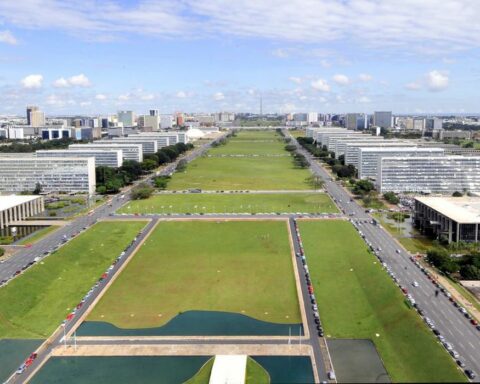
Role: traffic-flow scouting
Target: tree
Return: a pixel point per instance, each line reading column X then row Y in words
column 290, row 148
column 170, row 152
column 391, row 197
column 470, row 272
column 161, row 182
column 363, row 187
column 346, row 171
column 442, row 260
column 141, row 191
column 162, row 158
column 38, row 189
column 181, row 165
column 341, row 158
column 457, row 194
column 149, row 164
column 315, row 181
column 2, row 251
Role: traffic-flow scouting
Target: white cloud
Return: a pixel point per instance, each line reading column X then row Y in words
column 7, row 38
column 181, row 95
column 364, row 100
column 100, row 97
column 74, row 81
column 61, row 83
column 437, row 81
column 325, row 63
column 365, row 77
column 147, row 96
column 320, row 85
column 341, row 79
column 280, row 52
column 267, row 19
column 32, row 81
column 79, row 80
column 85, row 103
column 295, row 79
column 124, row 97
column 218, row 96
column 413, row 86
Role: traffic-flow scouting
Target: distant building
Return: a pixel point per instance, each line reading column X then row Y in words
column 129, row 151
column 35, row 117
column 355, row 121
column 462, row 135
column 106, row 158
column 154, row 112
column 166, row 121
column 52, row 133
column 149, row 121
column 127, row 118
column 382, row 119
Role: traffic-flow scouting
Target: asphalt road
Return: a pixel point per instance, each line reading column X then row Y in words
column 456, row 329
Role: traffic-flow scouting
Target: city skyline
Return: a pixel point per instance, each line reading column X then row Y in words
column 205, row 56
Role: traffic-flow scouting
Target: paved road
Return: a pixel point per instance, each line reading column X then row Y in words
column 54, row 240
column 447, row 319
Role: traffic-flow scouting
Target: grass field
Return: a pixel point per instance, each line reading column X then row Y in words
column 40, row 234
column 247, row 173
column 357, row 299
column 234, row 173
column 235, row 203
column 35, row 303
column 242, row 267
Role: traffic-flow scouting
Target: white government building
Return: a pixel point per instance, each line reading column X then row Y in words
column 113, row 159
column 129, row 151
column 15, row 208
column 431, row 174
column 54, row 174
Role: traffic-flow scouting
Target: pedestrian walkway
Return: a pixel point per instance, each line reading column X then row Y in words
column 229, row 369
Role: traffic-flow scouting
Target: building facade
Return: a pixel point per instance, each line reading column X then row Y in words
column 369, row 157
column 432, row 174
column 18, row 207
column 382, row 119
column 105, row 158
column 19, row 174
column 129, row 151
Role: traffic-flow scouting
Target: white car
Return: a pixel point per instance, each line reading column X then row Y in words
column 415, row 284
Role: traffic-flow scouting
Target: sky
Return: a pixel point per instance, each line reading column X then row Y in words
column 335, row 56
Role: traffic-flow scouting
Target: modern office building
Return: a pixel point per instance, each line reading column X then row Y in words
column 127, row 118
column 382, row 119
column 352, row 150
column 356, row 121
column 54, row 174
column 321, row 135
column 106, row 158
column 428, row 174
column 342, row 142
column 35, row 117
column 452, row 219
column 369, row 157
column 148, row 145
column 166, row 121
column 129, row 151
column 167, row 138
column 18, row 207
column 149, row 123
column 52, row 133
column 329, row 139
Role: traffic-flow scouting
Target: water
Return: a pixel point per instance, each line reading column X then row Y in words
column 159, row 369
column 13, row 352
column 197, row 323
column 119, row 369
column 287, row 369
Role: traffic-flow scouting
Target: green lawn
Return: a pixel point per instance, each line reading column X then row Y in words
column 38, row 235
column 231, row 173
column 35, row 303
column 254, row 173
column 357, row 299
column 238, row 266
column 203, row 374
column 253, row 147
column 228, row 202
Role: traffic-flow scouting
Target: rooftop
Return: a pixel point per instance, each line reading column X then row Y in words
column 401, row 149
column 10, row 201
column 464, row 210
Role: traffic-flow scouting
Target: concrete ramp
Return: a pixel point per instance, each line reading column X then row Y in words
column 229, row 369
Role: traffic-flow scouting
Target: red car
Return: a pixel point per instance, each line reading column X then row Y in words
column 70, row 316
column 28, row 362
column 474, row 322
column 33, row 355
column 404, row 290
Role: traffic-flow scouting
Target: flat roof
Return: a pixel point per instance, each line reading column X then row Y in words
column 10, row 201
column 401, row 149
column 464, row 210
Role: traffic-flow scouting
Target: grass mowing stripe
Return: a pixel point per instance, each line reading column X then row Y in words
column 357, row 299
column 238, row 203
column 34, row 304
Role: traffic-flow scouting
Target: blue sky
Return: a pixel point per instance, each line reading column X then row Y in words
column 91, row 56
